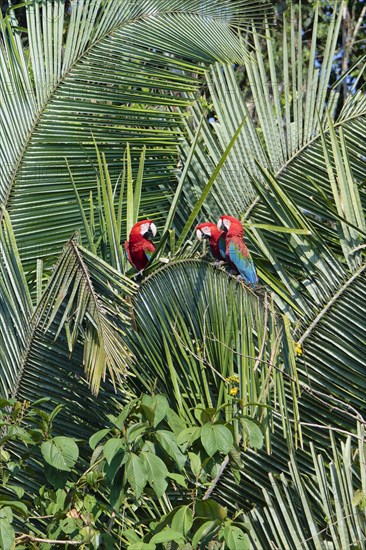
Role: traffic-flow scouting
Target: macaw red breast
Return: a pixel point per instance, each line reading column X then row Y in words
column 216, row 239
column 139, row 251
column 138, row 248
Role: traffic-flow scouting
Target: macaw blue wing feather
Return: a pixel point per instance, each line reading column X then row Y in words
column 239, row 255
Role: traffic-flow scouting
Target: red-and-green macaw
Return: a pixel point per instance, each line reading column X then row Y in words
column 208, row 230
column 138, row 247
column 236, row 250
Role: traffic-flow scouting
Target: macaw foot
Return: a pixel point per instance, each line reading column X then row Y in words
column 239, row 280
column 138, row 275
column 218, row 263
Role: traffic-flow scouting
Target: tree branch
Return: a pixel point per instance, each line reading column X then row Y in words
column 330, row 303
column 24, row 536
column 216, row 480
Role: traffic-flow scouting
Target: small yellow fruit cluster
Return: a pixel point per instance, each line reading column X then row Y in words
column 233, row 380
column 298, row 349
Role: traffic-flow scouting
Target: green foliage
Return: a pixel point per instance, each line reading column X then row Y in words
column 232, row 380
column 135, row 462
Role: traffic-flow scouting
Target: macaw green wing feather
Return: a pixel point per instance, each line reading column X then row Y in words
column 148, row 249
column 222, row 246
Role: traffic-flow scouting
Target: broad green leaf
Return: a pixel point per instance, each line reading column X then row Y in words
column 141, row 546
column 236, row 538
column 7, row 513
column 7, row 535
column 55, row 477
column 253, row 431
column 178, row 478
column 195, row 463
column 111, row 448
column 131, row 535
column 205, row 532
column 60, row 452
column 98, row 436
column 168, row 442
column 182, row 520
column 119, row 421
column 136, row 474
column 155, row 408
column 216, row 437
column 176, row 423
column 69, row 525
column 156, row 472
column 209, row 508
column 134, row 431
column 188, row 436
column 20, row 433
column 4, row 455
column 168, row 535
column 89, row 502
column 16, row 505
column 204, row 414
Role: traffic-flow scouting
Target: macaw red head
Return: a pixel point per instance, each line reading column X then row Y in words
column 206, row 230
column 230, row 224
column 145, row 228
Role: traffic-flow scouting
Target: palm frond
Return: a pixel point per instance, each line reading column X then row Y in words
column 93, row 299
column 320, row 510
column 118, row 74
column 196, row 330
column 35, row 362
column 15, row 308
column 286, row 113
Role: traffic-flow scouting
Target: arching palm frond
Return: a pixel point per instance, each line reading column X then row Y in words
column 118, row 75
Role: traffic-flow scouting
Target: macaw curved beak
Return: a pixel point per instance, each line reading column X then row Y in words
column 220, row 225
column 199, row 234
column 151, row 232
column 153, row 229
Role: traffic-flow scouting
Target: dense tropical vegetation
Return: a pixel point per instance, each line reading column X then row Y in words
column 182, row 409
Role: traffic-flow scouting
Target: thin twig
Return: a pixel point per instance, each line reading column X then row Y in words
column 111, row 521
column 330, row 303
column 24, row 536
column 330, row 428
column 265, row 392
column 304, row 387
column 357, row 416
column 326, row 529
column 260, row 354
column 200, row 359
column 357, row 28
column 216, row 480
column 41, row 517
